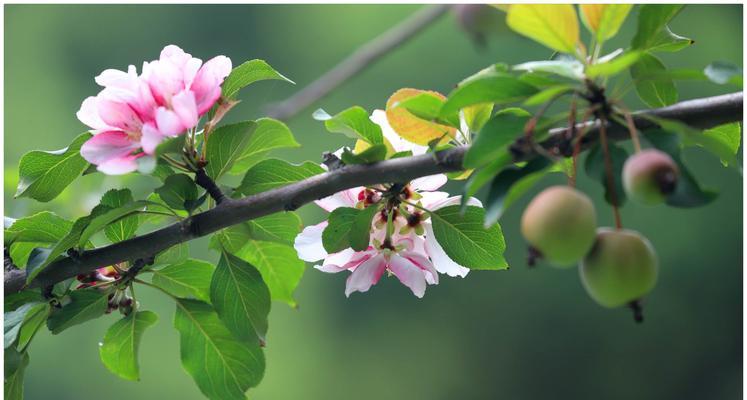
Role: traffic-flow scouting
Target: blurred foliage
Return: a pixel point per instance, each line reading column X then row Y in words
column 509, row 334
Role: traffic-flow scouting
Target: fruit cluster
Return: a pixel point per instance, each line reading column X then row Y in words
column 617, row 266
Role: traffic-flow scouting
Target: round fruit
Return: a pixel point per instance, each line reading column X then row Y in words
column 620, row 268
column 650, row 176
column 561, row 224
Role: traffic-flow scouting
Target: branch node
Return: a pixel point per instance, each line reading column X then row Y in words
column 207, row 183
column 332, row 161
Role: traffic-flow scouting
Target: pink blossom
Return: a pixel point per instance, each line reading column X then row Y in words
column 133, row 113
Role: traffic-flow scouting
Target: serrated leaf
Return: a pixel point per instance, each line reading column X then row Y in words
column 223, row 367
column 465, row 239
column 279, row 265
column 178, row 192
column 414, row 128
column 510, row 184
column 493, row 87
column 248, row 73
column 119, row 349
column 85, row 304
column 360, row 232
column 567, row 68
column 32, row 321
column 614, row 66
column 44, row 227
column 45, row 174
column 652, row 18
column 15, row 368
column 269, row 134
column 604, row 19
column 241, row 298
column 595, row 169
column 126, row 227
column 336, row 236
column 353, row 122
column 722, row 73
column 173, row 145
column 655, row 93
column 272, row 173
column 188, row 278
column 553, row 25
column 103, row 220
column 495, row 136
column 225, row 145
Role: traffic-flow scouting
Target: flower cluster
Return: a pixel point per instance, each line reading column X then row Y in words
column 402, row 240
column 134, row 113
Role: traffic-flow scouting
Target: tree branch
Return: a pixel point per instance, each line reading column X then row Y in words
column 701, row 113
column 364, row 57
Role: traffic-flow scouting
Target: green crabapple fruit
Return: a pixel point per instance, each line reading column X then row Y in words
column 620, row 268
column 649, row 176
column 560, row 223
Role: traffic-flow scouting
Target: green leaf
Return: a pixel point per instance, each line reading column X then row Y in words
column 567, row 68
column 172, row 255
column 595, row 169
column 222, row 366
column 360, row 232
column 548, row 94
column 103, row 220
column 45, row 174
column 728, row 136
column 476, row 116
column 32, row 321
column 272, row 173
column 15, row 300
column 655, row 93
column 225, row 145
column 614, row 66
column 282, row 227
column 510, row 184
column 126, row 227
column 241, row 298
column 668, row 41
column 491, row 87
column 179, row 192
column 279, row 265
column 719, row 144
column 44, row 227
column 119, row 349
column 13, row 320
column 427, row 106
column 483, row 175
column 269, row 134
column 336, row 236
column 174, row 145
column 189, row 278
column 495, row 137
column 652, row 18
column 232, row 239
column 85, row 304
column 722, row 73
column 248, row 73
column 465, row 239
column 370, row 155
column 553, row 25
column 15, row 367
column 688, row 192
column 353, row 123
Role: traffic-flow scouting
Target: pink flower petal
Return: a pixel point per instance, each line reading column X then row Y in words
column 345, row 198
column 169, row 123
column 107, row 146
column 429, row 183
column 308, row 243
column 119, row 115
column 409, row 274
column 185, row 108
column 206, row 84
column 441, row 261
column 151, row 138
column 119, row 166
column 89, row 115
column 422, row 262
column 366, row 275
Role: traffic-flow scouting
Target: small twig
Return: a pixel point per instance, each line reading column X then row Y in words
column 363, row 58
column 608, row 171
column 207, row 183
column 633, row 130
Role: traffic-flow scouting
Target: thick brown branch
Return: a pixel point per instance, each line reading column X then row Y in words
column 702, row 113
column 363, row 58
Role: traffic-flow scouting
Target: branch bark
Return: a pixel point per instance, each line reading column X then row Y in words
column 701, row 113
column 363, row 58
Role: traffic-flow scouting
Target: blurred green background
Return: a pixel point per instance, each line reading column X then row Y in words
column 516, row 334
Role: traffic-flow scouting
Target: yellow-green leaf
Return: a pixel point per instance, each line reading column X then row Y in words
column 553, row 25
column 604, row 19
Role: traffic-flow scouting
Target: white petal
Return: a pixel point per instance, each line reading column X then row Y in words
column 455, row 201
column 429, row 183
column 397, row 142
column 308, row 243
column 441, row 261
column 346, row 198
column 409, row 274
column 366, row 275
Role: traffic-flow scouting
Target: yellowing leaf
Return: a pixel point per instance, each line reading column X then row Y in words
column 553, row 25
column 604, row 19
column 410, row 127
